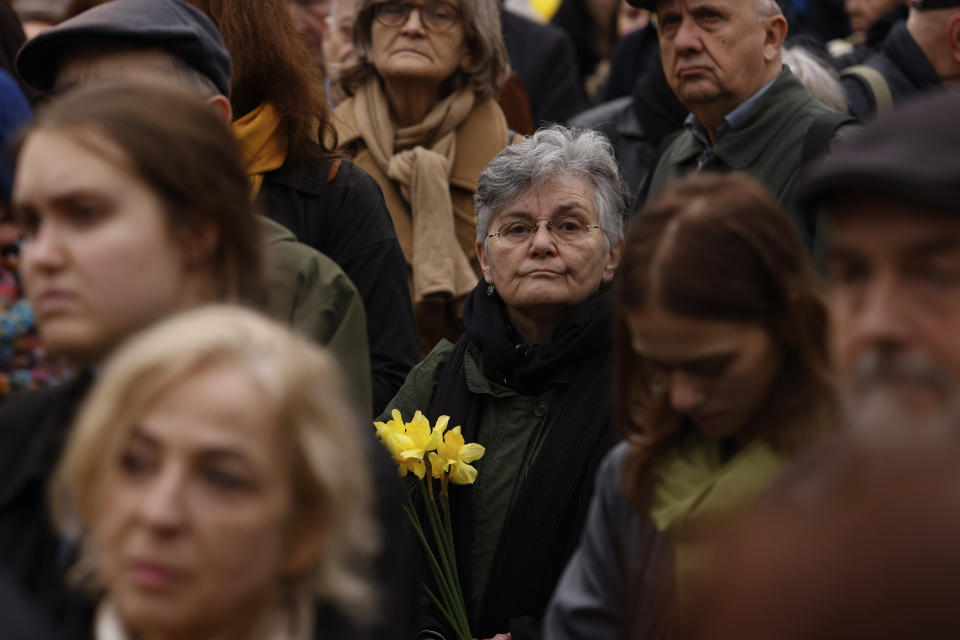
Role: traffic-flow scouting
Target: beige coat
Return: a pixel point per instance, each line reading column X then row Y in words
column 481, row 136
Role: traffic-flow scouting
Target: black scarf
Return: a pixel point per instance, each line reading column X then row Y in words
column 543, row 524
column 526, row 367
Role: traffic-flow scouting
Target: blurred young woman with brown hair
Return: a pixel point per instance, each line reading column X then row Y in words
column 721, row 375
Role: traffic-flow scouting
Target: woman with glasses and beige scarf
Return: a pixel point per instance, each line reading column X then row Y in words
column 422, row 119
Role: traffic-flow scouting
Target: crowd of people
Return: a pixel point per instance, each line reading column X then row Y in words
column 685, row 271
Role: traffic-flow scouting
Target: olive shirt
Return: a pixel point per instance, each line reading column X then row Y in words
column 767, row 143
column 308, row 291
column 512, row 429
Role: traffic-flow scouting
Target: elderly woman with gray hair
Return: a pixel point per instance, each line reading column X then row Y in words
column 529, row 378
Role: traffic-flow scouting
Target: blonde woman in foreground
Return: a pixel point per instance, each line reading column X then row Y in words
column 213, row 492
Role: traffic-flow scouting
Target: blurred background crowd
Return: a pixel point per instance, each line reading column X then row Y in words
column 686, row 269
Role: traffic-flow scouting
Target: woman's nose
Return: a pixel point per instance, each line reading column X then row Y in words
column 161, row 506
column 414, row 21
column 44, row 249
column 543, row 240
column 685, row 393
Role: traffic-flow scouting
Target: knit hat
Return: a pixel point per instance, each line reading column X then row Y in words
column 170, row 25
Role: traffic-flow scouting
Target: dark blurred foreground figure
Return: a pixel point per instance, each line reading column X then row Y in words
column 721, row 377
column 890, row 201
column 529, row 378
column 211, row 491
column 19, row 619
column 858, row 545
column 918, row 55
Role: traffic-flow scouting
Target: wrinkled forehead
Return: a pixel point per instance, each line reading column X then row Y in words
column 888, row 226
column 563, row 194
column 87, row 64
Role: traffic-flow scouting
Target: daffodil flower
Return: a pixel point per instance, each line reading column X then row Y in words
column 408, row 443
column 454, row 456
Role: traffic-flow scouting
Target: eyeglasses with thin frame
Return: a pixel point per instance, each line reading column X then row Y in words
column 437, row 16
column 567, row 229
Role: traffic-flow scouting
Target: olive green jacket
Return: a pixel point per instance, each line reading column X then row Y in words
column 308, row 291
column 768, row 146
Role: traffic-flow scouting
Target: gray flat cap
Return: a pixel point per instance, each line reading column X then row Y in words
column 170, row 25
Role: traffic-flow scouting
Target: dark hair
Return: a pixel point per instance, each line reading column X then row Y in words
column 271, row 64
column 489, row 65
column 719, row 247
column 176, row 143
column 12, row 38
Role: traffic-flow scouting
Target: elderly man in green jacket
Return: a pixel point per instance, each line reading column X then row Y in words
column 747, row 111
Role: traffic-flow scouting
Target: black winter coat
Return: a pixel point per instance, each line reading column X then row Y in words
column 341, row 213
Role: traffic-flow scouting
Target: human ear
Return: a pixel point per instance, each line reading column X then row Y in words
column 221, row 106
column 775, row 32
column 306, row 541
column 199, row 243
column 613, row 261
column 953, row 37
column 484, row 263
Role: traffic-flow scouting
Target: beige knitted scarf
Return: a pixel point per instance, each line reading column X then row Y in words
column 419, row 158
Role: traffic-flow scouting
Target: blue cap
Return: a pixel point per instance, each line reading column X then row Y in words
column 170, row 25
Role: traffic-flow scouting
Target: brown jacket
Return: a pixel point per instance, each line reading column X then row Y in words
column 481, row 136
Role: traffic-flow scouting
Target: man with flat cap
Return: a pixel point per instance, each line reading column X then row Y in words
column 889, row 200
column 919, row 55
column 747, row 111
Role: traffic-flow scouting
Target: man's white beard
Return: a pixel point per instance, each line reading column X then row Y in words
column 891, row 391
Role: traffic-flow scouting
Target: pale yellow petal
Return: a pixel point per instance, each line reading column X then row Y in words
column 471, row 452
column 412, row 454
column 462, row 473
column 436, row 465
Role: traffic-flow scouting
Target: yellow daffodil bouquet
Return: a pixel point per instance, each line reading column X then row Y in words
column 433, row 453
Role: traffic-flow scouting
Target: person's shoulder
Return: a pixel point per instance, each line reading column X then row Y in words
column 29, row 420
column 532, row 33
column 603, row 115
column 361, row 185
column 612, row 464
column 418, row 389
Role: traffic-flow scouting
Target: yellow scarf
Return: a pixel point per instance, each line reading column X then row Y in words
column 263, row 143
column 419, row 159
column 695, row 484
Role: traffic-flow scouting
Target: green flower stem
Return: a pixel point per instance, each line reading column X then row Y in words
column 446, row 590
column 457, row 605
column 462, row 633
column 448, row 531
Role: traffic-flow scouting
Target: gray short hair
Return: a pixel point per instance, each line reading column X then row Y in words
column 549, row 153
column 768, row 9
column 820, row 78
